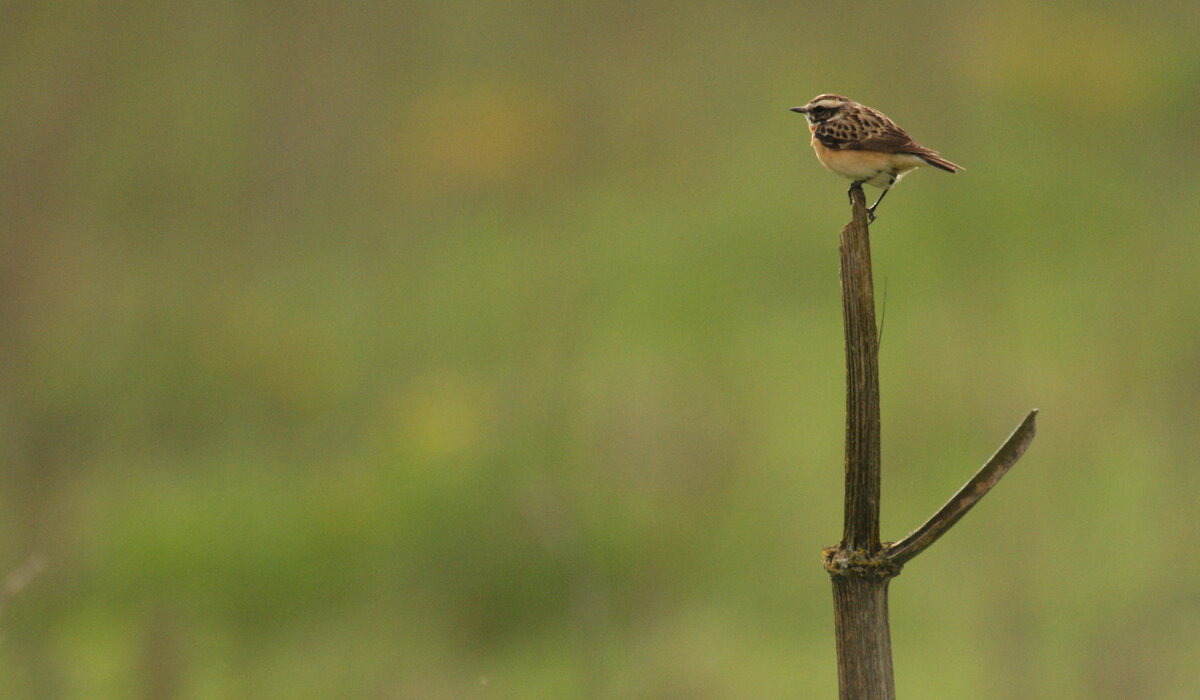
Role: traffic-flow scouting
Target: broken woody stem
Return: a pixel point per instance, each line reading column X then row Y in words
column 861, row 566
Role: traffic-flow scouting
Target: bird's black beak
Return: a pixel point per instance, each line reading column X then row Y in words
column 801, row 110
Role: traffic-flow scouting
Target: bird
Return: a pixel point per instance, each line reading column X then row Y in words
column 862, row 144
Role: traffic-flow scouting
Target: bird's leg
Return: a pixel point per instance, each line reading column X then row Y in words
column 871, row 209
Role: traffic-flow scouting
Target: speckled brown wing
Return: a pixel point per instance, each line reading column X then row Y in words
column 841, row 134
column 865, row 129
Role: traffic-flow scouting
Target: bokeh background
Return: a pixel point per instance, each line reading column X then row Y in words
column 482, row 349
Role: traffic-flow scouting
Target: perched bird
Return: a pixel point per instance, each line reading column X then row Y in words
column 862, row 144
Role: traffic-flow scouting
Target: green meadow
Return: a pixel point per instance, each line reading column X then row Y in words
column 493, row 350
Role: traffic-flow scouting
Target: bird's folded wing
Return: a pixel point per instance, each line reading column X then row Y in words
column 885, row 137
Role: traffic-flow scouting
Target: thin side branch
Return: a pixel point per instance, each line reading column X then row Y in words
column 988, row 476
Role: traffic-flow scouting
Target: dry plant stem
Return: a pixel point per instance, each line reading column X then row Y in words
column 864, row 646
column 861, row 527
column 860, row 613
column 919, row 540
column 860, row 566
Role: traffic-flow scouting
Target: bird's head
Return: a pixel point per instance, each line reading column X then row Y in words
column 822, row 108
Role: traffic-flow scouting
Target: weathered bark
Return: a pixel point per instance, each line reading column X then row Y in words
column 864, row 645
column 860, row 585
column 861, row 526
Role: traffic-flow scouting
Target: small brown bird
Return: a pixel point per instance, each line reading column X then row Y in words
column 862, row 144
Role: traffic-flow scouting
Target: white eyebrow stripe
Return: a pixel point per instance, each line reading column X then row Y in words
column 828, row 104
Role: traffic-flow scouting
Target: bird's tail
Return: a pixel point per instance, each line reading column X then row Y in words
column 937, row 161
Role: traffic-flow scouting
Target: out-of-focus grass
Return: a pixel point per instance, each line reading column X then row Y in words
column 477, row 350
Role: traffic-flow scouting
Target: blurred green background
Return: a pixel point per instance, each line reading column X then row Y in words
column 481, row 349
